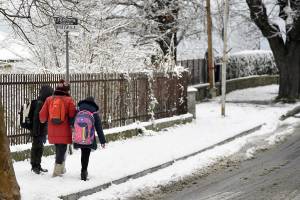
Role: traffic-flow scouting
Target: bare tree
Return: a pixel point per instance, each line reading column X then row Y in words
column 165, row 14
column 242, row 32
column 283, row 35
column 165, row 22
column 35, row 13
column 115, row 33
column 153, row 28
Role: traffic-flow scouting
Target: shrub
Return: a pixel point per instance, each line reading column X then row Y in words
column 249, row 63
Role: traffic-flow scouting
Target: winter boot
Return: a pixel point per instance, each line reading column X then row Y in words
column 64, row 167
column 58, row 170
column 84, row 175
column 35, row 169
column 42, row 169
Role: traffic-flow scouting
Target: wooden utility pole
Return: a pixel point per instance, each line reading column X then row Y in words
column 210, row 60
column 225, row 37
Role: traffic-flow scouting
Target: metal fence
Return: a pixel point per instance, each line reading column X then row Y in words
column 123, row 98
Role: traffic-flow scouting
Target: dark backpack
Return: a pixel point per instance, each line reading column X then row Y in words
column 26, row 114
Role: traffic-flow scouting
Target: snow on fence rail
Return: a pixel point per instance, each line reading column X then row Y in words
column 123, row 98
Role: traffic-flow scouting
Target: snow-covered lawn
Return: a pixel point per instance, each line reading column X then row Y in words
column 125, row 157
column 266, row 93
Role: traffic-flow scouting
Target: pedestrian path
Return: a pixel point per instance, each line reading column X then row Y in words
column 122, row 158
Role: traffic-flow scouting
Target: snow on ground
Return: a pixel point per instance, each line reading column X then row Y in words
column 129, row 156
column 136, row 125
column 265, row 93
column 279, row 136
column 173, row 173
column 180, row 169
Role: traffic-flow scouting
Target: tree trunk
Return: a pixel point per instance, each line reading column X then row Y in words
column 167, row 25
column 9, row 188
column 289, row 71
column 286, row 53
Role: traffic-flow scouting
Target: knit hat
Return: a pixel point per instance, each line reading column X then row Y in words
column 63, row 86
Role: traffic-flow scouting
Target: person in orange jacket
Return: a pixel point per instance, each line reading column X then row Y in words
column 59, row 111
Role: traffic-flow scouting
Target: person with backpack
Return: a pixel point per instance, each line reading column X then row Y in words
column 59, row 111
column 38, row 130
column 86, row 122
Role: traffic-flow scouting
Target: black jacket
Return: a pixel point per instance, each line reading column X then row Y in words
column 92, row 107
column 40, row 129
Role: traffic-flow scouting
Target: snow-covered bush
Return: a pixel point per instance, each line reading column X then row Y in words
column 248, row 63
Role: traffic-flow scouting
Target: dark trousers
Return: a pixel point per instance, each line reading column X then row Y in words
column 60, row 151
column 36, row 152
column 85, row 157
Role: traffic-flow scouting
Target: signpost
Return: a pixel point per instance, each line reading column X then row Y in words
column 66, row 24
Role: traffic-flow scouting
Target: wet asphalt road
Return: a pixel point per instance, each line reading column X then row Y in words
column 273, row 174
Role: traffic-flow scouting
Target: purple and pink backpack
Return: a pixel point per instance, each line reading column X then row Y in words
column 84, row 129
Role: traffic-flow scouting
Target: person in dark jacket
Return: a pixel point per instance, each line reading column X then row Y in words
column 39, row 131
column 90, row 105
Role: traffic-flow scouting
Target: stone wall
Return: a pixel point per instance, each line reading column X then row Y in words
column 236, row 84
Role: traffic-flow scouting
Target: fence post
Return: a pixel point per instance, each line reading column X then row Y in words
column 192, row 100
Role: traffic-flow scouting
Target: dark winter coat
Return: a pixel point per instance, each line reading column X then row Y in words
column 39, row 130
column 92, row 107
column 59, row 133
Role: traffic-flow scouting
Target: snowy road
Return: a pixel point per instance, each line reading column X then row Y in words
column 272, row 174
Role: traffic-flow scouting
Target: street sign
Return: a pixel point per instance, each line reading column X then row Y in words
column 66, row 20
column 66, row 23
column 66, row 27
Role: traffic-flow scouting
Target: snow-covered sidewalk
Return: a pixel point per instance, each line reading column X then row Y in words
column 122, row 158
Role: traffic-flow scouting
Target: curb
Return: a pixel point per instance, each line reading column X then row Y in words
column 258, row 102
column 77, row 195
